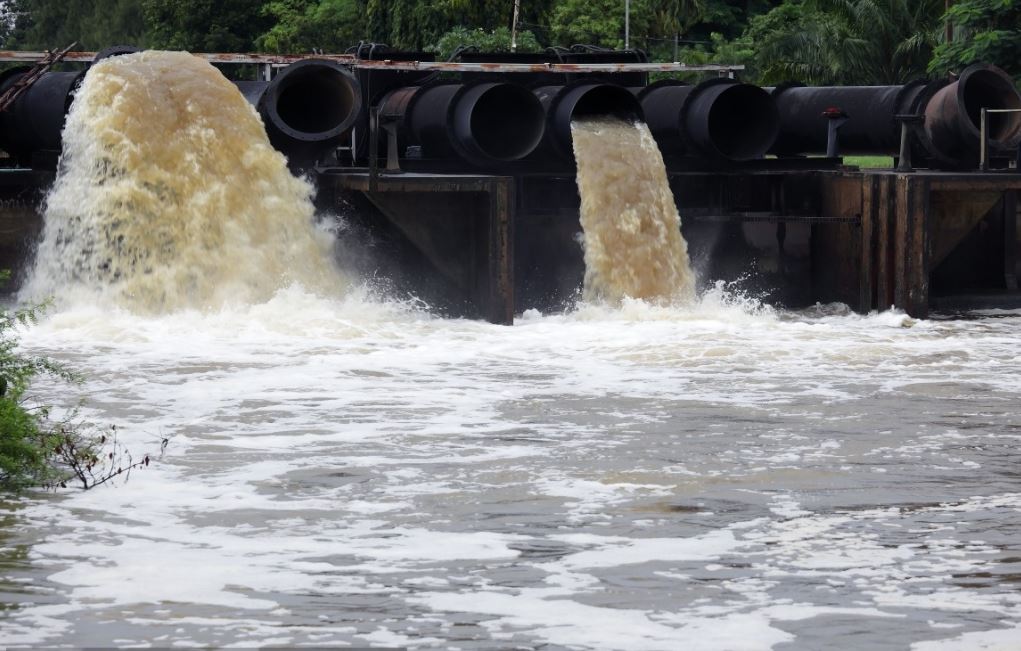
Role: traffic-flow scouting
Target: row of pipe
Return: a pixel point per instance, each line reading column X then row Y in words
column 949, row 112
column 489, row 124
column 311, row 106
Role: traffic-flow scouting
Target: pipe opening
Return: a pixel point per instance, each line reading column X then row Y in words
column 507, row 122
column 315, row 100
column 743, row 122
column 607, row 100
column 987, row 89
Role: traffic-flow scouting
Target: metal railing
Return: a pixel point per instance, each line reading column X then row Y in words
column 278, row 60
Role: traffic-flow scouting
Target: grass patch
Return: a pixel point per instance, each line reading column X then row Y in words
column 870, row 162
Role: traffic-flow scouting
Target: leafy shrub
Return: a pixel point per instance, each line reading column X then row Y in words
column 36, row 450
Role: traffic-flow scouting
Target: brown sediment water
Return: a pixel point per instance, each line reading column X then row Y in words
column 169, row 195
column 632, row 237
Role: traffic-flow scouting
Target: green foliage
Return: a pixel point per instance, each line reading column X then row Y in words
column 416, row 24
column 27, row 442
column 985, row 30
column 497, row 40
column 846, row 41
column 598, row 22
column 308, row 25
column 675, row 16
column 34, row 449
column 205, row 25
column 739, row 51
column 94, row 24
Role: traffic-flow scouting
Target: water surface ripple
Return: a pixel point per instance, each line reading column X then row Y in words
column 722, row 477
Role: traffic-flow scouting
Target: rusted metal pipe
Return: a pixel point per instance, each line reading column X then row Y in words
column 486, row 124
column 719, row 118
column 584, row 98
column 953, row 114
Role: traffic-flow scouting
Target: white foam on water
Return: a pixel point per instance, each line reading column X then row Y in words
column 414, row 410
column 1003, row 639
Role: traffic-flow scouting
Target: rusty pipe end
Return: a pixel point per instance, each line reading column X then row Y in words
column 953, row 114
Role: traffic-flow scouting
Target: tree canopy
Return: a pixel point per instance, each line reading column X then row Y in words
column 815, row 41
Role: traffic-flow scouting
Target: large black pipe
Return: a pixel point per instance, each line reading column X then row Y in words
column 563, row 104
column 307, row 108
column 487, row 124
column 719, row 118
column 950, row 136
column 34, row 122
column 870, row 128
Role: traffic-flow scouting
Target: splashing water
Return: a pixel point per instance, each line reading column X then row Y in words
column 633, row 242
column 169, row 196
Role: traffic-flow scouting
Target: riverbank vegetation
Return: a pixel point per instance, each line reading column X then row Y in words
column 814, row 41
column 36, row 449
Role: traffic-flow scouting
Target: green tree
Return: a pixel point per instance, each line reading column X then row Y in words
column 599, row 22
column 416, row 24
column 676, row 16
column 27, row 441
column 847, row 41
column 206, row 25
column 497, row 40
column 94, row 24
column 304, row 25
column 986, row 31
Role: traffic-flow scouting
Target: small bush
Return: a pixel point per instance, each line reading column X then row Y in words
column 36, row 451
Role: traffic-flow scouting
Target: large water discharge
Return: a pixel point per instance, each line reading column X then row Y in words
column 343, row 471
column 170, row 195
column 632, row 233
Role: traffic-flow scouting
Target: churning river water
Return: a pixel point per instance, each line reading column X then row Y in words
column 347, row 470
column 359, row 472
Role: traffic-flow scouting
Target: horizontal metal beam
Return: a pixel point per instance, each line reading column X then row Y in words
column 387, row 64
column 542, row 67
column 767, row 217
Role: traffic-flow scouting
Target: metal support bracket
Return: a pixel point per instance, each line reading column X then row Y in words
column 909, row 123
